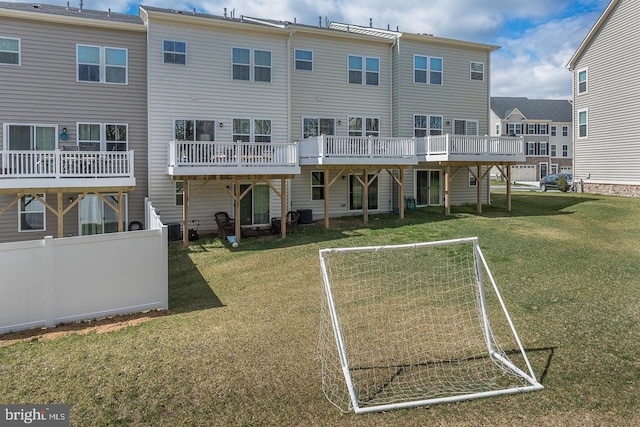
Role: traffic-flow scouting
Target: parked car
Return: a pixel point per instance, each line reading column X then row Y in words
column 550, row 182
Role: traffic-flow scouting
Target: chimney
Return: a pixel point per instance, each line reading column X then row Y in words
column 81, row 4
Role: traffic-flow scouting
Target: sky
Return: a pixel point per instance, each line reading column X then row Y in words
column 537, row 38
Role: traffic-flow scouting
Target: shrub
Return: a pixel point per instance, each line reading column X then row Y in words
column 563, row 185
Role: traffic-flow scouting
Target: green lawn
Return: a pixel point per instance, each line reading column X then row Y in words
column 240, row 344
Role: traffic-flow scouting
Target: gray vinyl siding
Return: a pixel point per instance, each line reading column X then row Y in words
column 457, row 98
column 44, row 90
column 325, row 92
column 611, row 152
column 204, row 89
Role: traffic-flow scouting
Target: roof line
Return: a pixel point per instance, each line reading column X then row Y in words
column 587, row 40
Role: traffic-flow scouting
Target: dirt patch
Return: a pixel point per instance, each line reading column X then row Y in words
column 98, row 326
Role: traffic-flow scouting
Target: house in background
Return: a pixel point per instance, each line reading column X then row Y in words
column 546, row 127
column 606, row 103
column 73, row 113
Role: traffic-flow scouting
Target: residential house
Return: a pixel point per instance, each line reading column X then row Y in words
column 73, row 113
column 546, row 127
column 606, row 103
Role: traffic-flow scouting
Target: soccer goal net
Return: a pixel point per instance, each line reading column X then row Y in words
column 409, row 325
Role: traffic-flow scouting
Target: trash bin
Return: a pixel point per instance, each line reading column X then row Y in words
column 306, row 216
column 410, row 203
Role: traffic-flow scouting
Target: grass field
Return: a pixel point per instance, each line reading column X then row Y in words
column 239, row 346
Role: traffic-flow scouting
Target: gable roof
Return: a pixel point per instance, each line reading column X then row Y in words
column 67, row 14
column 554, row 110
column 592, row 33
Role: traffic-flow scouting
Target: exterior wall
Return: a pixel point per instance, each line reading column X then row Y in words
column 44, row 90
column 610, row 154
column 204, row 89
column 457, row 98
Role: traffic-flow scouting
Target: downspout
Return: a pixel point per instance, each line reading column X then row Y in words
column 289, row 65
column 488, row 122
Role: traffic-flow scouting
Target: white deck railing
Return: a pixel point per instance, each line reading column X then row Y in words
column 66, row 164
column 469, row 145
column 350, row 146
column 228, row 154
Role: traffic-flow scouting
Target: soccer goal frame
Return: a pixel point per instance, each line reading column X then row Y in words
column 351, row 296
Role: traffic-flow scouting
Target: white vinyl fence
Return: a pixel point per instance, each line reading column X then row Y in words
column 52, row 281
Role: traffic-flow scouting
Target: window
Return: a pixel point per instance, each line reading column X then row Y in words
column 194, row 130
column 497, row 129
column 103, row 137
column 179, row 193
column 565, row 150
column 9, row 51
column 303, row 60
column 31, row 137
column 582, row 81
column 537, row 148
column 371, row 70
column 247, row 130
column 473, row 182
column 241, row 59
column 262, row 130
column 262, row 65
column 371, row 128
column 424, row 66
column 428, row 188
column 312, row 126
column 356, row 193
column 565, row 130
column 424, row 125
column 554, row 131
column 101, row 64
column 543, row 129
column 254, row 206
column 514, row 128
column 435, row 71
column 554, row 150
column 242, row 65
column 477, row 71
column 531, row 129
column 317, row 185
column 32, row 213
column 174, row 52
column 419, row 69
column 100, row 215
column 465, row 127
column 582, row 123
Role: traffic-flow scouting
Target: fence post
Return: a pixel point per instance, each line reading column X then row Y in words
column 49, row 280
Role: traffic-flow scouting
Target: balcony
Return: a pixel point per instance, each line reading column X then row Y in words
column 458, row 148
column 66, row 169
column 186, row 158
column 349, row 150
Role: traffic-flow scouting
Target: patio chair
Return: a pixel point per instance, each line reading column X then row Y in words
column 291, row 218
column 226, row 225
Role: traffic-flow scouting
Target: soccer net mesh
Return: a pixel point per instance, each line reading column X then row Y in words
column 408, row 325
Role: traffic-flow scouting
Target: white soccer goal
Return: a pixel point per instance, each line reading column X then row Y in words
column 409, row 325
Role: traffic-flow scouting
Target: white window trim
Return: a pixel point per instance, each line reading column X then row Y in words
column 363, row 70
column 584, row 110
column 103, row 134
column 586, row 70
column 295, row 61
column 19, row 52
column 364, row 125
column 428, row 70
column 252, row 128
column 374, row 178
column 473, row 182
column 5, row 129
column 252, row 65
column 466, row 127
column 103, row 65
column 178, row 193
column 175, row 53
column 194, row 120
column 471, row 71
column 44, row 215
column 318, row 118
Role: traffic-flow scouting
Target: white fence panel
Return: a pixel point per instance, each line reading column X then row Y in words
column 52, row 281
